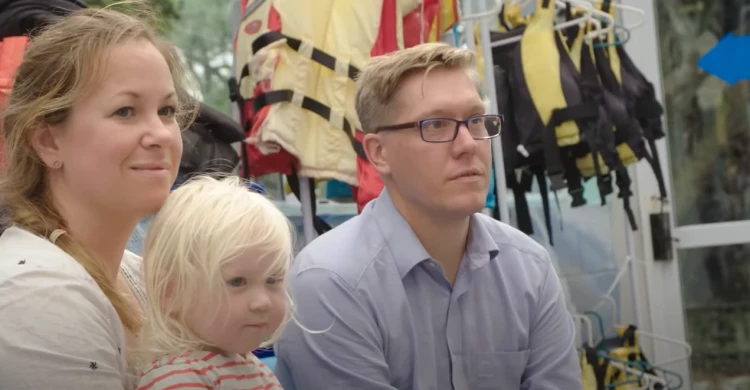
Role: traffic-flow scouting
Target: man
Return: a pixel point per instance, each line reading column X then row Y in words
column 420, row 291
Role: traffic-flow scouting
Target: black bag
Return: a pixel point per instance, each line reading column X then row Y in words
column 207, row 144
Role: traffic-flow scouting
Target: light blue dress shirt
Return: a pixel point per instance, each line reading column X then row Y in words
column 397, row 323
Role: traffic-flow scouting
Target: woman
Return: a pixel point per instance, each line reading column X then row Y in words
column 93, row 145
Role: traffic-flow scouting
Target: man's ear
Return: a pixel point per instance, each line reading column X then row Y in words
column 45, row 145
column 376, row 153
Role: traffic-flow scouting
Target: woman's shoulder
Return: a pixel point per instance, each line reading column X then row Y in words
column 24, row 255
column 34, row 272
column 58, row 320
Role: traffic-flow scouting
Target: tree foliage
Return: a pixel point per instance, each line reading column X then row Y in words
column 168, row 10
column 204, row 37
column 201, row 29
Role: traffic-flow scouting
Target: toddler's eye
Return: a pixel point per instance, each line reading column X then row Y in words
column 274, row 280
column 237, row 282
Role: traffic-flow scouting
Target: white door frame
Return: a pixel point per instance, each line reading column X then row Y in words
column 661, row 304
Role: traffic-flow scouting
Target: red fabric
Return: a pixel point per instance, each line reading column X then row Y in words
column 413, row 22
column 262, row 164
column 11, row 55
column 370, row 184
column 387, row 40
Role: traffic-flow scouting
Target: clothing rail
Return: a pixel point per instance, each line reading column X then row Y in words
column 497, row 150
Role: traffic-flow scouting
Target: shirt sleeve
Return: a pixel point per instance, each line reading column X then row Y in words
column 58, row 331
column 348, row 353
column 553, row 362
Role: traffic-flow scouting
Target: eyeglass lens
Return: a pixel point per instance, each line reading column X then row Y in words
column 444, row 129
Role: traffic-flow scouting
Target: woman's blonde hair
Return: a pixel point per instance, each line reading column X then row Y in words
column 204, row 224
column 62, row 64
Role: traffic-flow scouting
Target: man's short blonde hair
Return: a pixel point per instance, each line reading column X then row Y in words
column 380, row 78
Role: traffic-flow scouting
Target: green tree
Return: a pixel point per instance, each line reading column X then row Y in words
column 201, row 29
column 204, row 37
column 168, row 10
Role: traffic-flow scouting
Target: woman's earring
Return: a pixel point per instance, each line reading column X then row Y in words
column 57, row 164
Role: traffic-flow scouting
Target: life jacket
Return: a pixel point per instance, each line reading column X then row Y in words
column 11, row 55
column 634, row 142
column 624, row 347
column 556, row 127
column 439, row 16
column 580, row 87
column 296, row 63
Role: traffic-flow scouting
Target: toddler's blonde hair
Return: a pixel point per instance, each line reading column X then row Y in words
column 204, row 224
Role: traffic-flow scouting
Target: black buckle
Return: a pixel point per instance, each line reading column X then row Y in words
column 578, row 199
column 557, row 181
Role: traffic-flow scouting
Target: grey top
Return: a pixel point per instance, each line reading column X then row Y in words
column 397, row 323
column 57, row 328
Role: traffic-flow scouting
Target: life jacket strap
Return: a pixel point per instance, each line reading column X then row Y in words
column 552, row 159
column 318, row 55
column 310, row 104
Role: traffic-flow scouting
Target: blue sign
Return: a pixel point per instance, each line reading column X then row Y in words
column 729, row 59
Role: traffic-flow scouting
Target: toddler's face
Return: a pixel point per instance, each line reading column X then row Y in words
column 254, row 307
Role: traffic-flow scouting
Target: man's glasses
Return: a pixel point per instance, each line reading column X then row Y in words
column 446, row 129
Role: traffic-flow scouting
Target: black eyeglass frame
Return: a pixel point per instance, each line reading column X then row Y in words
column 418, row 124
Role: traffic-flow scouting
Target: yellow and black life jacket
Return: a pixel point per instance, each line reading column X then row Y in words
column 554, row 121
column 567, row 111
column 295, row 68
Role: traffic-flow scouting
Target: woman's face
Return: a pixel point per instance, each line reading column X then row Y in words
column 120, row 146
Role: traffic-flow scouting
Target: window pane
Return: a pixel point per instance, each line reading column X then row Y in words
column 716, row 294
column 708, row 120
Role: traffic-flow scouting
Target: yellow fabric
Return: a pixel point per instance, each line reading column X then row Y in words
column 344, row 29
column 626, row 154
column 614, row 376
column 541, row 69
column 444, row 21
column 448, row 15
column 513, row 16
column 614, row 58
column 588, row 378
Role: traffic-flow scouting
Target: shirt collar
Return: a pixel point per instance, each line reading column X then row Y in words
column 481, row 246
column 405, row 246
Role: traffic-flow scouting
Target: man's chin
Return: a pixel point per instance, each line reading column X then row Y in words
column 466, row 204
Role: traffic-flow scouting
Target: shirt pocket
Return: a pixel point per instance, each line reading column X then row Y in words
column 498, row 370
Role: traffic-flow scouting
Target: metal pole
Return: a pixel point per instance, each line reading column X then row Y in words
column 489, row 81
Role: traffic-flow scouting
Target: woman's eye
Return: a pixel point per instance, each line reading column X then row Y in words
column 237, row 282
column 124, row 112
column 168, row 111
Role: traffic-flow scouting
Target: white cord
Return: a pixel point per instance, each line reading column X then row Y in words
column 421, row 22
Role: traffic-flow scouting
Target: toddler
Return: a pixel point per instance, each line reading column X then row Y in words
column 215, row 259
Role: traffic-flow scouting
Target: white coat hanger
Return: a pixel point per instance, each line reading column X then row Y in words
column 589, row 327
column 622, row 7
column 422, row 23
column 479, row 16
column 590, row 15
column 607, row 298
column 649, row 381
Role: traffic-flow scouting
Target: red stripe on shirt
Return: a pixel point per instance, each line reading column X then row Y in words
column 238, row 377
column 188, row 386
